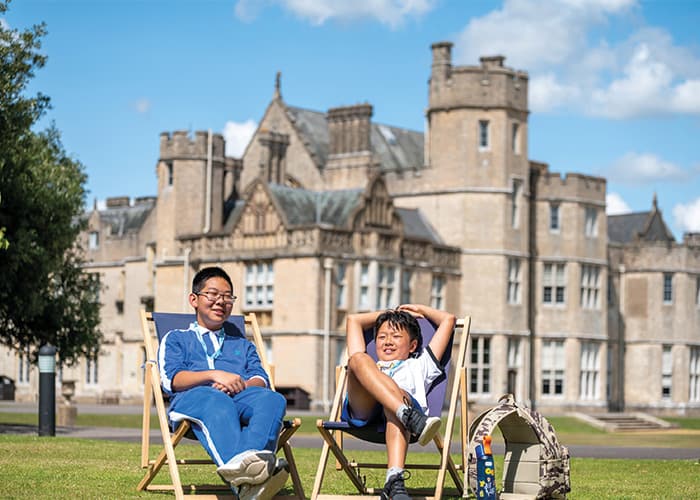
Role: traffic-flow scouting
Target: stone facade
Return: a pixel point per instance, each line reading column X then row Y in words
column 327, row 213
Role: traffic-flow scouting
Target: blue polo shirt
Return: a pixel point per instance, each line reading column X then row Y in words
column 183, row 350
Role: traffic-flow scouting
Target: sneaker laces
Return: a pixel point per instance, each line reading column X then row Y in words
column 395, row 486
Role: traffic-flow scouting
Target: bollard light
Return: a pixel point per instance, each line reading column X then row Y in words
column 47, row 390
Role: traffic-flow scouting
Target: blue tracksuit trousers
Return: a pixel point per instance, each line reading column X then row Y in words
column 228, row 425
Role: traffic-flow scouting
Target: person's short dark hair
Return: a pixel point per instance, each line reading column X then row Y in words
column 207, row 273
column 401, row 320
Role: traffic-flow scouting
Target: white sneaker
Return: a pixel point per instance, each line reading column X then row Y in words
column 250, row 467
column 269, row 488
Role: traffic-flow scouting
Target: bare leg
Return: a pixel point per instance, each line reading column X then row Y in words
column 396, row 441
column 367, row 386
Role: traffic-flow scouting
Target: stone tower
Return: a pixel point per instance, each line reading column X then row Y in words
column 474, row 189
column 191, row 187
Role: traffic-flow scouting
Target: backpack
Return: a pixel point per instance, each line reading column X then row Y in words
column 536, row 464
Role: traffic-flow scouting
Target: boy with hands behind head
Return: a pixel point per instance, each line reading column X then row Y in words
column 394, row 389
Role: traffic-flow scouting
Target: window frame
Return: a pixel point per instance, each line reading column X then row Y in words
column 484, row 137
column 553, row 368
column 93, row 240
column 589, row 372
column 666, row 372
column 480, row 371
column 694, row 375
column 341, row 284
column 92, row 369
column 590, row 287
column 385, row 292
column 555, row 281
column 259, row 286
column 515, row 199
column 667, row 284
column 554, row 220
column 437, row 291
column 590, row 222
column 514, row 292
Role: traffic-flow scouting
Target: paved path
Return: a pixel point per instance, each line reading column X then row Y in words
column 309, row 441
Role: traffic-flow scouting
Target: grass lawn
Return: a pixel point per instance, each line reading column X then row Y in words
column 58, row 468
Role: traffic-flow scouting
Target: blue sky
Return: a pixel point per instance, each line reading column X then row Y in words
column 614, row 84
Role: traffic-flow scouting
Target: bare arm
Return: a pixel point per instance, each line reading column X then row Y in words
column 445, row 325
column 356, row 324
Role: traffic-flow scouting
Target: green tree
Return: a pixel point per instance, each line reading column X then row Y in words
column 45, row 296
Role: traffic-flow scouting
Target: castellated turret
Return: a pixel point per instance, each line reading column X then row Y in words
column 192, row 186
column 180, row 146
column 489, row 85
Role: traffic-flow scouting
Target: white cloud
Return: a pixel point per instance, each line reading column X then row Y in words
column 534, row 34
column 642, row 168
column 687, row 216
column 615, row 205
column 389, row 12
column 3, row 24
column 547, row 93
column 686, row 97
column 142, row 105
column 563, row 45
column 237, row 136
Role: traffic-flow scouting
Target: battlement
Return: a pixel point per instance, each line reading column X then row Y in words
column 570, row 185
column 180, row 145
column 691, row 239
column 489, row 85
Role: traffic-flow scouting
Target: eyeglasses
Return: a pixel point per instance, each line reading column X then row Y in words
column 214, row 295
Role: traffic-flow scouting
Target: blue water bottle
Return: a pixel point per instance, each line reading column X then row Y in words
column 485, row 471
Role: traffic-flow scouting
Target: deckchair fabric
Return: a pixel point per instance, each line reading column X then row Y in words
column 332, row 430
column 155, row 326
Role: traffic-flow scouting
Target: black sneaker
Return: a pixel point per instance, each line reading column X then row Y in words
column 395, row 489
column 420, row 425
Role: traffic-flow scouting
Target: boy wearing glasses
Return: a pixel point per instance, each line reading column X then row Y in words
column 216, row 381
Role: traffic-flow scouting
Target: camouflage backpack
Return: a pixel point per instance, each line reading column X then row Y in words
column 536, row 464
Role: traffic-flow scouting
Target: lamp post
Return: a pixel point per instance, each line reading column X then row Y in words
column 47, row 390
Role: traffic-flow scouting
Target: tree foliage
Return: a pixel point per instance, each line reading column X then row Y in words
column 45, row 297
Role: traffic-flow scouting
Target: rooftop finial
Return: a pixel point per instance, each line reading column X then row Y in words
column 655, row 204
column 278, row 85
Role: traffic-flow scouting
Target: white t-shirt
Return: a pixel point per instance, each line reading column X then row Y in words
column 414, row 375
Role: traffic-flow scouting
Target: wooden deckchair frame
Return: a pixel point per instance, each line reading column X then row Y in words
column 333, row 440
column 153, row 394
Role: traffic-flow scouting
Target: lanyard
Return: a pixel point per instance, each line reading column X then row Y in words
column 217, row 340
column 391, row 367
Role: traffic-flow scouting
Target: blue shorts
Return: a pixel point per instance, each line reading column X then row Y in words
column 376, row 417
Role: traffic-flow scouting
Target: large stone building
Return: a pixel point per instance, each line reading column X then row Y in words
column 328, row 213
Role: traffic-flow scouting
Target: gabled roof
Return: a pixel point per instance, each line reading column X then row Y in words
column 395, row 148
column 639, row 226
column 301, row 206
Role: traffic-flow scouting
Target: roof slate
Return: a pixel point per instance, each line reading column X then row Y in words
column 127, row 219
column 648, row 226
column 395, row 148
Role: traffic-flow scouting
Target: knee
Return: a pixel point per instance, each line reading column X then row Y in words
column 359, row 359
column 272, row 399
column 278, row 400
